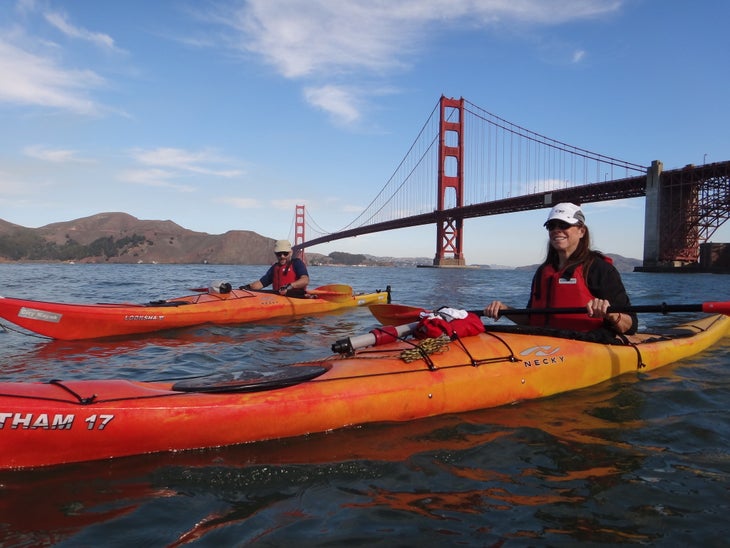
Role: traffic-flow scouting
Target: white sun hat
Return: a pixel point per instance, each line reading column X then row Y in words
column 566, row 212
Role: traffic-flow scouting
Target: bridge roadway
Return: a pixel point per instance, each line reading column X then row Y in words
column 631, row 187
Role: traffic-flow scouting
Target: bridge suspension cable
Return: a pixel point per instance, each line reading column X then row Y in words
column 505, row 160
column 410, row 189
column 501, row 160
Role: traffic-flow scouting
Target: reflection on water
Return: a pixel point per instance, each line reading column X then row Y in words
column 643, row 459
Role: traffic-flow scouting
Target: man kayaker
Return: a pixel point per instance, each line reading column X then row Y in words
column 574, row 275
column 287, row 276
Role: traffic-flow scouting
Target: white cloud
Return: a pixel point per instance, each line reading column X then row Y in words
column 164, row 166
column 242, row 203
column 153, row 177
column 339, row 102
column 319, row 37
column 60, row 21
column 53, row 155
column 578, row 56
column 328, row 41
column 287, row 204
column 184, row 160
column 40, row 81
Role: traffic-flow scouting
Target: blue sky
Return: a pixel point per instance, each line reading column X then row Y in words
column 224, row 115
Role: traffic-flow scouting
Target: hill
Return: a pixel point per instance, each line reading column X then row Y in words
column 122, row 238
column 622, row 264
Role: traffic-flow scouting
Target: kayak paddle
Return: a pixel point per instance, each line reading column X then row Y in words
column 397, row 314
column 333, row 292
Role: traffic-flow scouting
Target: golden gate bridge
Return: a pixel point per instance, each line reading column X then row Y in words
column 466, row 162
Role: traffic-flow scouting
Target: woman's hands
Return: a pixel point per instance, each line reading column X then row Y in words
column 598, row 308
column 493, row 309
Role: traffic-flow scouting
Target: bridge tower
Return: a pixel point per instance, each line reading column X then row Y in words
column 449, row 231
column 299, row 230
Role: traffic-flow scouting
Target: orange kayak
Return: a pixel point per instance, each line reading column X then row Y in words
column 60, row 422
column 89, row 321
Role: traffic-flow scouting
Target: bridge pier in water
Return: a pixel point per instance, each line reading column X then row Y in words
column 652, row 215
column 683, row 209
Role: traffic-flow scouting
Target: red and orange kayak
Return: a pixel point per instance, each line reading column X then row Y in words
column 59, row 422
column 88, row 321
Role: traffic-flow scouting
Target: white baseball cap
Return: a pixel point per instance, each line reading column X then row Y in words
column 282, row 246
column 566, row 212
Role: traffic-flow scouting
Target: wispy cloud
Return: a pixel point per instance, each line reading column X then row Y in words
column 318, row 37
column 328, row 43
column 41, row 73
column 339, row 102
column 165, row 167
column 184, row 160
column 53, row 155
column 41, row 81
column 578, row 56
column 242, row 203
column 60, row 21
column 286, row 204
column 154, row 178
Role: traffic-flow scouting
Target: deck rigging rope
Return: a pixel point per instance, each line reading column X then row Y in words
column 424, row 348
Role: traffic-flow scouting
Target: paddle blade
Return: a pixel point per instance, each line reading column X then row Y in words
column 716, row 307
column 395, row 314
column 333, row 292
column 336, row 288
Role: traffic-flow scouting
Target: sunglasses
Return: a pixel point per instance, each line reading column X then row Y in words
column 282, row 253
column 559, row 225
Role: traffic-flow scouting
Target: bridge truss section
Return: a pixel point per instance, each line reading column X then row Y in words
column 694, row 203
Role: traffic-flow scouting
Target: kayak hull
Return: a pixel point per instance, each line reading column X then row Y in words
column 45, row 424
column 89, row 321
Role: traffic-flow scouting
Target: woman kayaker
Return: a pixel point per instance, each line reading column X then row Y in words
column 574, row 275
column 288, row 275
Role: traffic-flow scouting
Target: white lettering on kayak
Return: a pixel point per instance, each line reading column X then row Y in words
column 42, row 315
column 543, row 355
column 144, row 317
column 39, row 421
column 46, row 421
column 98, row 422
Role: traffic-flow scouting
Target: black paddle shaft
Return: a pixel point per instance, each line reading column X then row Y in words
column 663, row 308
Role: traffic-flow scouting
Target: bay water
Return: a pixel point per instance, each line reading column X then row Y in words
column 642, row 459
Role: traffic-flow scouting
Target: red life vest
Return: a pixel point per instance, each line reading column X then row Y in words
column 283, row 275
column 554, row 290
